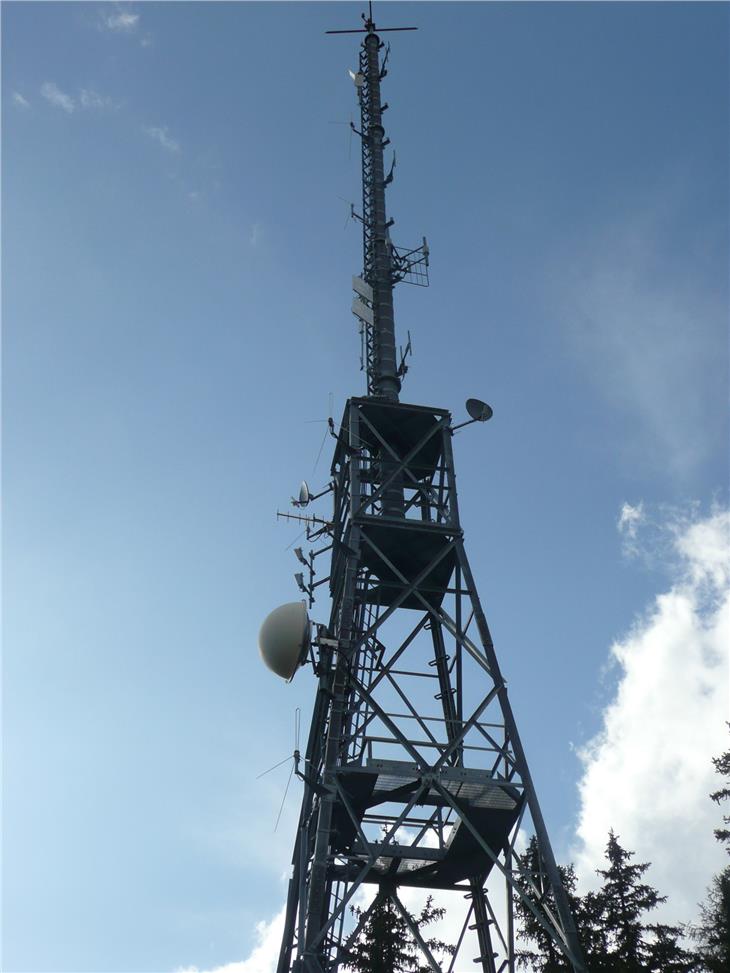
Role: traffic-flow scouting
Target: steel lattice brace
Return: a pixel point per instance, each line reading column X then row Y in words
column 402, row 788
column 405, row 787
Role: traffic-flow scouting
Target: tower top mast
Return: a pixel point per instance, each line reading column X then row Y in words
column 383, row 264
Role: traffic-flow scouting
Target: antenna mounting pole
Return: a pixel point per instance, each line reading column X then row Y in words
column 379, row 271
column 383, row 380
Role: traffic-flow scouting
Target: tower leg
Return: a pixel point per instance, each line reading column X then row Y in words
column 481, row 925
column 574, row 949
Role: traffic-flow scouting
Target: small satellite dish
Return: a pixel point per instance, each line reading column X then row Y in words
column 478, row 410
column 304, row 494
column 358, row 79
column 284, row 639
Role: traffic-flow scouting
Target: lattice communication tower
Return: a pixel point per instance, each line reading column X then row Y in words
column 414, row 774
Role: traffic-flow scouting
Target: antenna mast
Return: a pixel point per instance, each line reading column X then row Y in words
column 383, row 264
column 383, row 379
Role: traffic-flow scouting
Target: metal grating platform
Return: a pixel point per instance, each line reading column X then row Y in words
column 493, row 806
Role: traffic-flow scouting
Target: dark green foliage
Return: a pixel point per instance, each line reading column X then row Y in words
column 712, row 933
column 611, row 922
column 722, row 766
column 537, row 950
column 386, row 944
column 623, row 901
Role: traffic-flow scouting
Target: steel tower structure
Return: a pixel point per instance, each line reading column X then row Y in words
column 414, row 773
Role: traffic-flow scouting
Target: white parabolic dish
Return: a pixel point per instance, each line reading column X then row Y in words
column 283, row 638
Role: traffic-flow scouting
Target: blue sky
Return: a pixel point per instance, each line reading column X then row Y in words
column 176, row 289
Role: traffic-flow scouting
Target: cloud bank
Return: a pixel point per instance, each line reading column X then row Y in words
column 263, row 956
column 648, row 772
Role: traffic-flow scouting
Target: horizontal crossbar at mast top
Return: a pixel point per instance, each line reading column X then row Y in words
column 364, row 30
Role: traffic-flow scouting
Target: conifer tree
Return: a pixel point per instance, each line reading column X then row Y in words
column 386, row 944
column 621, row 907
column 722, row 766
column 611, row 921
column 713, row 931
column 537, row 950
column 623, row 901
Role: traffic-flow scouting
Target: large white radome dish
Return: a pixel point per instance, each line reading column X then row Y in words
column 284, row 637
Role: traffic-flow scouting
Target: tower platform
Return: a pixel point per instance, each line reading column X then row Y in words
column 493, row 806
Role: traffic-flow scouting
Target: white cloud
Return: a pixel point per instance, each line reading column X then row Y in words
column 254, row 234
column 648, row 773
column 59, row 99
column 630, row 519
column 704, row 545
column 264, row 955
column 160, row 134
column 88, row 98
column 20, row 101
column 118, row 20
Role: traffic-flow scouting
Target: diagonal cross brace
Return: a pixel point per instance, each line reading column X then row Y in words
column 415, row 931
column 554, row 928
column 402, row 465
